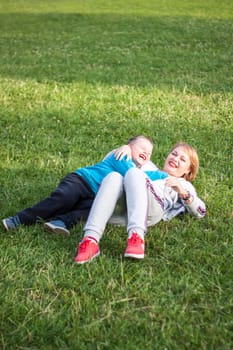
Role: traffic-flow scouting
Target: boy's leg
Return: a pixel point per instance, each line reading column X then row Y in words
column 70, row 190
column 103, row 205
column 77, row 214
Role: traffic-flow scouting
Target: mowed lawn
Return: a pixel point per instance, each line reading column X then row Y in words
column 77, row 79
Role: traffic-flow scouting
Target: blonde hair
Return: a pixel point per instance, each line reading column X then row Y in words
column 134, row 139
column 193, row 157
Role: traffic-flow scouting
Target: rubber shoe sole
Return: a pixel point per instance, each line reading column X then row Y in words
column 88, row 260
column 56, row 229
column 134, row 256
column 9, row 224
column 4, row 221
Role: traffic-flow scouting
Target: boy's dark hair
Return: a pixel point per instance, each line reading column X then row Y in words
column 135, row 138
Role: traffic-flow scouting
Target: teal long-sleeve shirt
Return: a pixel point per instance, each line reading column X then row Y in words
column 95, row 174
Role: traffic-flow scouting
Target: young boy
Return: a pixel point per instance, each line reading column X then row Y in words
column 72, row 199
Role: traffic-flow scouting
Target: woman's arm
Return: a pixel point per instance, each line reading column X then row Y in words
column 187, row 193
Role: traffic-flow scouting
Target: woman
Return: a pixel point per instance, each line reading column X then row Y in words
column 148, row 202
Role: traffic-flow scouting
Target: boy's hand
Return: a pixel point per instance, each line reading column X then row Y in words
column 122, row 151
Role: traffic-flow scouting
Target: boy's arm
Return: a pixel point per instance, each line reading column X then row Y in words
column 156, row 175
column 121, row 166
column 123, row 151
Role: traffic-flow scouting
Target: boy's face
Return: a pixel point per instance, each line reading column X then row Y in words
column 141, row 151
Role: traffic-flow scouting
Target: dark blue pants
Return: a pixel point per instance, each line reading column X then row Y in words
column 70, row 202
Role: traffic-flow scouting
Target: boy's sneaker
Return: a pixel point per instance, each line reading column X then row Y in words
column 88, row 249
column 135, row 247
column 57, row 226
column 11, row 223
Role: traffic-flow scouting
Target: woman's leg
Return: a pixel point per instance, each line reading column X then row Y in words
column 103, row 206
column 137, row 198
column 143, row 202
column 101, row 211
column 137, row 201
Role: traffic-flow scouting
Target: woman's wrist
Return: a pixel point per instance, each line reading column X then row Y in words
column 187, row 197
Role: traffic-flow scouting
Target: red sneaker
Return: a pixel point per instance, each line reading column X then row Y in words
column 88, row 249
column 135, row 247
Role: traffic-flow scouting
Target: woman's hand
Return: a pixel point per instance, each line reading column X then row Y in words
column 175, row 184
column 122, row 151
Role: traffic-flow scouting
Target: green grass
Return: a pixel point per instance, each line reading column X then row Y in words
column 78, row 78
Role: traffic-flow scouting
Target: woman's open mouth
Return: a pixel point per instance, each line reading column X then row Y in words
column 172, row 164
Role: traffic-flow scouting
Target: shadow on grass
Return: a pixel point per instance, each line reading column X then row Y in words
column 165, row 52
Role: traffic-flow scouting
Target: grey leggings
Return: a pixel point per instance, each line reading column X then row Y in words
column 138, row 198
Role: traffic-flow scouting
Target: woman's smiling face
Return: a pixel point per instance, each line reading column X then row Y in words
column 177, row 162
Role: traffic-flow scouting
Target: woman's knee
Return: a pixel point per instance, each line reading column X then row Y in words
column 134, row 174
column 113, row 179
